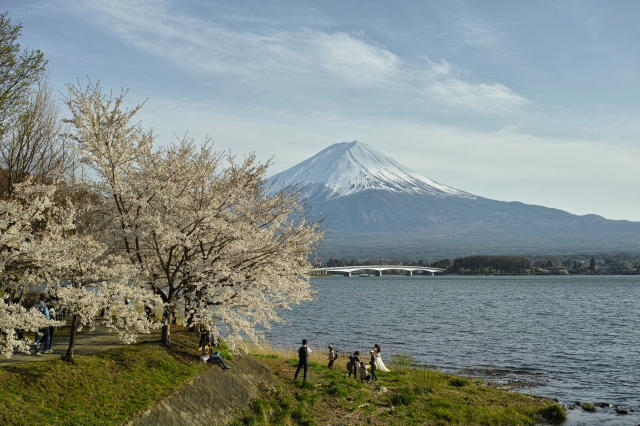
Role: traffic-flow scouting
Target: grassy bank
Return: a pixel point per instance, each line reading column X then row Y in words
column 405, row 396
column 103, row 389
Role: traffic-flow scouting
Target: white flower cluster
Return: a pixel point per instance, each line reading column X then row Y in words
column 199, row 225
column 41, row 250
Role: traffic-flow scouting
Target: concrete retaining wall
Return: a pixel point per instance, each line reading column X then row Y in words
column 213, row 398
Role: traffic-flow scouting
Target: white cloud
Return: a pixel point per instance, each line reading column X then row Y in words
column 210, row 47
column 359, row 61
column 479, row 97
column 291, row 55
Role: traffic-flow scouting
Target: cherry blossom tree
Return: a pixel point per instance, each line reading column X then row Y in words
column 42, row 249
column 28, row 221
column 87, row 280
column 201, row 225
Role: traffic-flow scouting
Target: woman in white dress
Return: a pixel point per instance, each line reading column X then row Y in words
column 379, row 364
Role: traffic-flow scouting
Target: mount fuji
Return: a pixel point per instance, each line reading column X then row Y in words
column 373, row 207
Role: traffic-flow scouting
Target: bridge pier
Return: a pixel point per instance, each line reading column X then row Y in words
column 378, row 273
column 347, row 274
column 409, row 273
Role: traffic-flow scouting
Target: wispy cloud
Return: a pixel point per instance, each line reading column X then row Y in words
column 209, row 46
column 354, row 58
column 482, row 97
column 309, row 57
column 445, row 85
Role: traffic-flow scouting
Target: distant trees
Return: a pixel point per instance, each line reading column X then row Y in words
column 618, row 264
column 19, row 70
column 32, row 138
column 500, row 264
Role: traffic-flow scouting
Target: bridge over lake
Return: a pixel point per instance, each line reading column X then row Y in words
column 377, row 269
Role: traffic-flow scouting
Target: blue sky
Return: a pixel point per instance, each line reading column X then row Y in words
column 533, row 101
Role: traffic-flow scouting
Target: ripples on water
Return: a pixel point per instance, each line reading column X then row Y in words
column 577, row 338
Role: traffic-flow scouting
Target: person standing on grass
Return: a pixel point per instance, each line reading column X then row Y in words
column 42, row 307
column 303, row 360
column 354, row 360
column 332, row 357
column 372, row 363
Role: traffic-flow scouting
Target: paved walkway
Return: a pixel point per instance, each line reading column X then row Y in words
column 87, row 342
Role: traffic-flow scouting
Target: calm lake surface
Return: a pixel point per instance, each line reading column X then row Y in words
column 574, row 338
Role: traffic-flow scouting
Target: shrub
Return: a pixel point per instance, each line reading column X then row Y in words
column 553, row 413
column 401, row 398
column 459, row 382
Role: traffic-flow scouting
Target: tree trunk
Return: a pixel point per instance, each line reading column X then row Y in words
column 166, row 335
column 166, row 326
column 72, row 340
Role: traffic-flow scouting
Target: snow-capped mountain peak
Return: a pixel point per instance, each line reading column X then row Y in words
column 349, row 167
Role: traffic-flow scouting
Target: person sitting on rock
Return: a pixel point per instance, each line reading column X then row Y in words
column 215, row 358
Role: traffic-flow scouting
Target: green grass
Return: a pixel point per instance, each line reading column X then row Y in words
column 406, row 396
column 103, row 389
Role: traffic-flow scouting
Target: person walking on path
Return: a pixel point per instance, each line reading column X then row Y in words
column 372, row 363
column 332, row 357
column 46, row 337
column 303, row 360
column 354, row 360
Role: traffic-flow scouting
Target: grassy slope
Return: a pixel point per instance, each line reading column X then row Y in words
column 103, row 389
column 402, row 397
column 110, row 387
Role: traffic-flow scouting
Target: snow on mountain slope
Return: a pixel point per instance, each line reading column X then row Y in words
column 350, row 167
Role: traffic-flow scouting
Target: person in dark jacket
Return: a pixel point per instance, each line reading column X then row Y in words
column 372, row 363
column 354, row 361
column 303, row 360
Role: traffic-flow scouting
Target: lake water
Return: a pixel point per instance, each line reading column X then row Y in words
column 574, row 338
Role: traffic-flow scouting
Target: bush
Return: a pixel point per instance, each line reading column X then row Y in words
column 553, row 413
column 459, row 382
column 401, row 398
column 225, row 353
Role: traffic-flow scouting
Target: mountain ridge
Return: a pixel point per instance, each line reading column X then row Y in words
column 397, row 212
column 348, row 167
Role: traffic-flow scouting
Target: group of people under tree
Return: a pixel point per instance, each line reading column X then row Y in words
column 355, row 365
column 44, row 336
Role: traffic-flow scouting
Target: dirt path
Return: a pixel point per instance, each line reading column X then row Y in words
column 87, row 342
